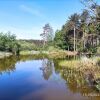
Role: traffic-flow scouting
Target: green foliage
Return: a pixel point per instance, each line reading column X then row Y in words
column 98, row 29
column 8, row 42
column 98, row 50
column 93, row 50
column 90, row 49
column 98, row 61
column 98, row 86
column 59, row 40
column 26, row 45
column 86, row 27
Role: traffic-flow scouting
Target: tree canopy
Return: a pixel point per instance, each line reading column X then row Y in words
column 85, row 25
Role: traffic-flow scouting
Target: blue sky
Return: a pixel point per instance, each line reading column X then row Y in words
column 25, row 18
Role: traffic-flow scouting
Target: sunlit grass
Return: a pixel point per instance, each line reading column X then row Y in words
column 69, row 64
column 85, row 66
column 27, row 52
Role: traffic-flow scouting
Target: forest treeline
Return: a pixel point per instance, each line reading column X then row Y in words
column 81, row 32
column 9, row 43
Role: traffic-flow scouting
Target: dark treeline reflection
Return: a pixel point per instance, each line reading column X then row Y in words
column 8, row 64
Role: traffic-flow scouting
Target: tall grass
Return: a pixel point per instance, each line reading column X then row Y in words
column 90, row 66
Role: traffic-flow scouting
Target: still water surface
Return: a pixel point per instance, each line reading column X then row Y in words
column 28, row 78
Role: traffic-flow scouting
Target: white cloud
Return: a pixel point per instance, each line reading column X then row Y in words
column 30, row 10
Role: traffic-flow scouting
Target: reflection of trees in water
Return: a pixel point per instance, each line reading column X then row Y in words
column 75, row 80
column 47, row 68
column 7, row 65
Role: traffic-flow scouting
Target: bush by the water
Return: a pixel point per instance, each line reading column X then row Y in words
column 8, row 42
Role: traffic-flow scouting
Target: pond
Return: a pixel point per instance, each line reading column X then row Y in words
column 30, row 78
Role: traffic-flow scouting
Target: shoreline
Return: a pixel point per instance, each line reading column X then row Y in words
column 5, row 54
column 51, row 54
column 89, row 67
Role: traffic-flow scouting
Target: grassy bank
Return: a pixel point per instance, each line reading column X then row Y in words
column 86, row 66
column 89, row 67
column 54, row 54
column 50, row 53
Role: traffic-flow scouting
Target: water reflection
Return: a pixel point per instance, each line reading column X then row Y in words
column 7, row 65
column 76, row 82
column 47, row 68
column 70, row 81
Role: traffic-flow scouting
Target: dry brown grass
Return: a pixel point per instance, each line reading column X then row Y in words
column 86, row 67
column 61, row 54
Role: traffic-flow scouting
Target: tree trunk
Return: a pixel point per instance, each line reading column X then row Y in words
column 83, row 40
column 74, row 40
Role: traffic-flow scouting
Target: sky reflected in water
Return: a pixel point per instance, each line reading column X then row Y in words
column 40, row 79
